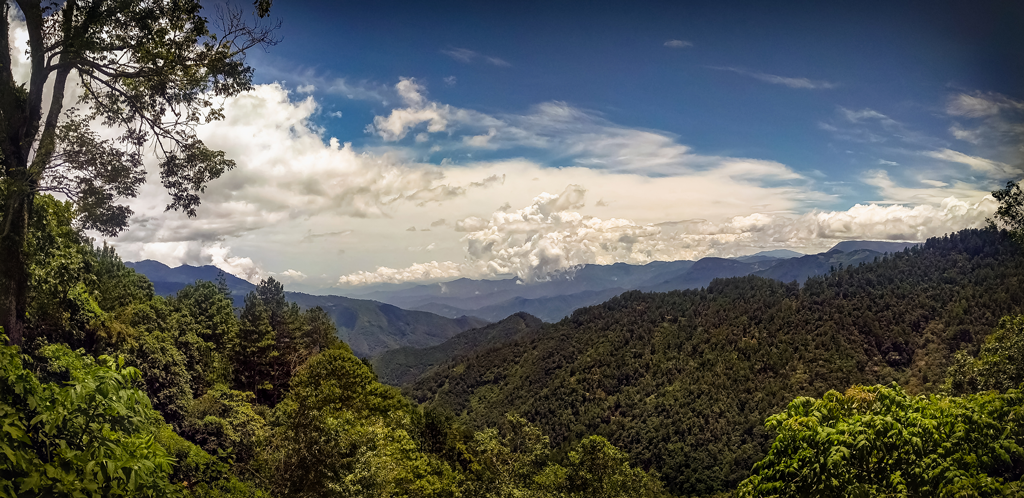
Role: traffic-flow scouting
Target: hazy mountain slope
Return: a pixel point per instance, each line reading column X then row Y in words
column 704, row 271
column 684, row 380
column 371, row 327
column 872, row 245
column 800, row 269
column 368, row 327
column 467, row 294
column 403, row 365
column 548, row 309
column 168, row 281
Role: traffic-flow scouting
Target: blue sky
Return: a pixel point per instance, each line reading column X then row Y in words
column 715, row 90
column 405, row 141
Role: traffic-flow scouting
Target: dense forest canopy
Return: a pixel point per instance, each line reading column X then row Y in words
column 645, row 395
column 684, row 380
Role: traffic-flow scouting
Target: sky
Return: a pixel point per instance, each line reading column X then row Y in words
column 396, row 141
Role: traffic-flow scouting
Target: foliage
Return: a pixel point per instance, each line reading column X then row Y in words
column 1010, row 213
column 879, row 441
column 225, row 421
column 682, row 381
column 999, row 366
column 89, row 437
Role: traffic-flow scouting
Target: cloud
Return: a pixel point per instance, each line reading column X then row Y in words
column 981, row 104
column 417, row 272
column 195, row 253
column 291, row 275
column 490, row 180
column 17, row 36
column 678, row 44
column 867, row 115
column 467, row 56
column 313, row 237
column 438, row 223
column 307, row 88
column 780, row 80
column 960, row 133
column 410, row 229
column 285, row 172
column 550, row 236
column 992, row 169
column 585, row 138
column 450, row 80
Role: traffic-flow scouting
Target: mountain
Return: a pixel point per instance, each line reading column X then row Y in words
column 168, row 281
column 802, row 268
column 403, row 365
column 549, row 309
column 707, row 269
column 369, row 327
column 770, row 255
column 872, row 245
column 372, row 327
column 684, row 380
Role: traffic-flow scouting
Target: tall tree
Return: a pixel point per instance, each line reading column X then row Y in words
column 153, row 70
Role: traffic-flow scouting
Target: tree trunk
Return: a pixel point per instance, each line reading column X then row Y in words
column 14, row 267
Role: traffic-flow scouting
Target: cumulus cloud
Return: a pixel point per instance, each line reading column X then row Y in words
column 550, row 236
column 291, row 275
column 194, row 253
column 285, row 171
column 678, row 44
column 417, row 272
column 804, row 83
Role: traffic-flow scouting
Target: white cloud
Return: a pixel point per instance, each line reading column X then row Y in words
column 291, row 275
column 194, row 253
column 450, row 80
column 960, row 133
column 550, row 235
column 678, row 44
column 469, row 56
column 17, row 36
column 417, row 272
column 993, row 169
column 981, row 104
column 307, row 88
column 804, row 83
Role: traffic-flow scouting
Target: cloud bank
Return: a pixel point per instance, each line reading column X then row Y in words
column 550, row 235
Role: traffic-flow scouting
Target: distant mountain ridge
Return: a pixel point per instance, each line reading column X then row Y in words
column 588, row 285
column 684, row 380
column 368, row 327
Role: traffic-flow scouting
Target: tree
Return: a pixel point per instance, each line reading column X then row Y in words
column 878, row 441
column 153, row 71
column 999, row 366
column 1010, row 212
column 90, row 437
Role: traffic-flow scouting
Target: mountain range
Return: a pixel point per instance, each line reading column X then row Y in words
column 683, row 380
column 368, row 327
column 426, row 315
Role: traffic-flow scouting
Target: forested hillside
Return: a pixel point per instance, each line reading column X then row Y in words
column 684, row 380
column 368, row 327
column 117, row 391
column 403, row 365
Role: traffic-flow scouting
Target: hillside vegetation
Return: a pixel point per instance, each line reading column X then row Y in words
column 684, row 380
column 403, row 365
